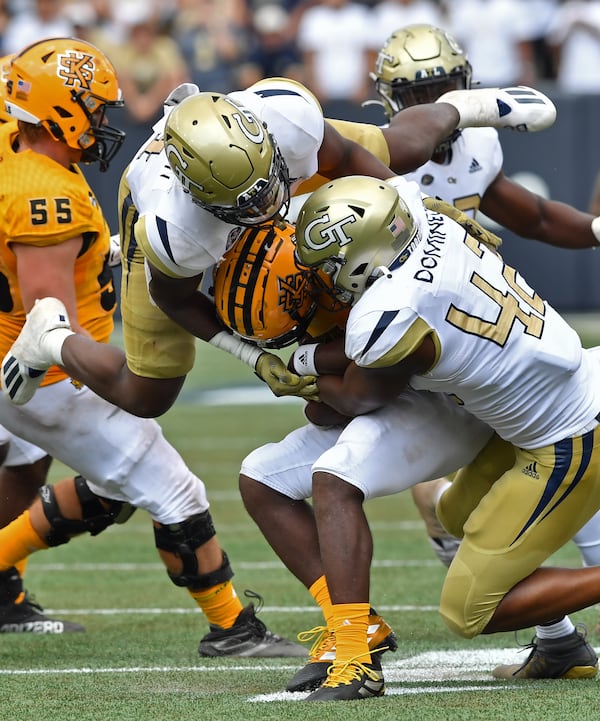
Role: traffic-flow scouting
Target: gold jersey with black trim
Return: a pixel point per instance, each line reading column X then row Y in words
column 44, row 204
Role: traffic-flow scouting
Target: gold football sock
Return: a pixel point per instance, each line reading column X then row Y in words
column 220, row 604
column 17, row 541
column 320, row 593
column 21, row 566
column 350, row 625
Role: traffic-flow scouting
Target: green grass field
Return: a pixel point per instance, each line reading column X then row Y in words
column 138, row 659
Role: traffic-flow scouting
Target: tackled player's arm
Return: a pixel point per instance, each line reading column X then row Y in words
column 339, row 156
column 413, row 134
column 362, row 390
column 531, row 216
column 182, row 301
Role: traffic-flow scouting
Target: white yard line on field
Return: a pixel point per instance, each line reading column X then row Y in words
column 471, row 668
column 195, row 610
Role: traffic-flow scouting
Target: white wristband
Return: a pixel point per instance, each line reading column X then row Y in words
column 303, row 360
column 596, row 229
column 245, row 352
column 53, row 343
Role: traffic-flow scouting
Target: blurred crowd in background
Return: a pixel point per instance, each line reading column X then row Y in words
column 329, row 45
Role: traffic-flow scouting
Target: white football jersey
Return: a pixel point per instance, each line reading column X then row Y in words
column 182, row 238
column 500, row 349
column 475, row 161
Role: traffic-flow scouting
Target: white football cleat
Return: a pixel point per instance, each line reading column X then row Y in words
column 517, row 108
column 30, row 356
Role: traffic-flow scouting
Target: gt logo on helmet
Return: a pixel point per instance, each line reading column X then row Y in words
column 331, row 235
column 252, row 129
column 76, row 69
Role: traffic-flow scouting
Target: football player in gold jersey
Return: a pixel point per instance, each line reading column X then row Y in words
column 23, row 470
column 55, row 240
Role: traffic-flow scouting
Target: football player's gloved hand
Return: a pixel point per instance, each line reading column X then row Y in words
column 469, row 224
column 273, row 371
column 518, row 108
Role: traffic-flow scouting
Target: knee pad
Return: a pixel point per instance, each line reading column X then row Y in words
column 95, row 517
column 183, row 539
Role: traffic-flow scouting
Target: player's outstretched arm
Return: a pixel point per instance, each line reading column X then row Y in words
column 413, row 135
column 530, row 216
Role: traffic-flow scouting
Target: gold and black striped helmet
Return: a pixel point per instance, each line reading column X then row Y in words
column 260, row 292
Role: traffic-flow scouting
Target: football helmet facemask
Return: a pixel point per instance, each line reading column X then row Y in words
column 354, row 229
column 260, row 292
column 66, row 85
column 416, row 65
column 226, row 159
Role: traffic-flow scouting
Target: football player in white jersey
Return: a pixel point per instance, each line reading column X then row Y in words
column 274, row 306
column 417, row 64
column 434, row 64
column 434, row 308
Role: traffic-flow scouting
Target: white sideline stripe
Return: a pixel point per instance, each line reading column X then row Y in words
column 246, row 565
column 186, row 611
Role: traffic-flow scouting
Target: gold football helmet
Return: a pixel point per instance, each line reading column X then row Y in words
column 66, row 85
column 416, row 65
column 354, row 229
column 226, row 159
column 260, row 292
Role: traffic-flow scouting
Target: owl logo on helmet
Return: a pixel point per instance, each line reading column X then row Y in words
column 417, row 64
column 260, row 292
column 226, row 159
column 66, row 86
column 354, row 228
